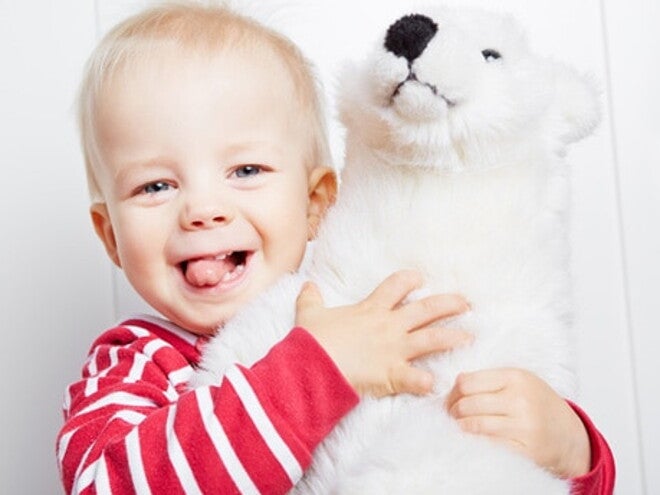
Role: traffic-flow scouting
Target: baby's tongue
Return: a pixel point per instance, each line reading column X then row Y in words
column 207, row 272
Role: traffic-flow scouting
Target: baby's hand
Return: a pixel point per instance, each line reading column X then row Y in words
column 372, row 342
column 518, row 409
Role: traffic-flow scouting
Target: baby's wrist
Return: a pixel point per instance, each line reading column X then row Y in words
column 578, row 457
column 325, row 343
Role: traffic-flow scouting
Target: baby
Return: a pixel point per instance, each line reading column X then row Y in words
column 207, row 163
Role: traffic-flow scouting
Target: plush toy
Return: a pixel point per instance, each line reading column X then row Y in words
column 456, row 135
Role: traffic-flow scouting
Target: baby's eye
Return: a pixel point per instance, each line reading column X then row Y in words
column 155, row 187
column 247, row 171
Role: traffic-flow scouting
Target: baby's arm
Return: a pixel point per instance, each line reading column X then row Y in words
column 518, row 409
column 133, row 426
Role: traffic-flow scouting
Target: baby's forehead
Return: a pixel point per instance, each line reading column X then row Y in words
column 156, row 63
column 174, row 91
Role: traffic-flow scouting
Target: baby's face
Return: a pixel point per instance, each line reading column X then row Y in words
column 205, row 187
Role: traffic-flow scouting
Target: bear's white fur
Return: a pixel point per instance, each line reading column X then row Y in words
column 458, row 173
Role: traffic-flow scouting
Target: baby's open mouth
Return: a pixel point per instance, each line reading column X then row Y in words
column 210, row 271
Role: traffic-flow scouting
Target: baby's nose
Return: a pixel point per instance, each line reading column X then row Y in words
column 409, row 36
column 196, row 216
column 207, row 221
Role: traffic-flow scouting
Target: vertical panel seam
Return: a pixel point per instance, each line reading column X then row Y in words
column 622, row 240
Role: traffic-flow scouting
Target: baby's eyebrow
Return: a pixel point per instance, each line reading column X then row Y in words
column 136, row 166
column 250, row 146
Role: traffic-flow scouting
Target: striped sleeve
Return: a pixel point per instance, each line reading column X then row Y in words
column 132, row 426
column 600, row 479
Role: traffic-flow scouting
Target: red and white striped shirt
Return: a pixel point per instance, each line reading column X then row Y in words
column 132, row 426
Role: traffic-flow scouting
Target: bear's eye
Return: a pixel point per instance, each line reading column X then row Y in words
column 489, row 54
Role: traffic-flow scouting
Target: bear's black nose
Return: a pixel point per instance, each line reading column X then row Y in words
column 408, row 36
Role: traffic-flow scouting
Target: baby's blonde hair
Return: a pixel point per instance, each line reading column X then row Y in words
column 205, row 29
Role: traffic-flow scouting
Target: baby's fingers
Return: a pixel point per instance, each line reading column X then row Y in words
column 308, row 302
column 407, row 379
column 486, row 404
column 433, row 308
column 498, row 428
column 479, row 382
column 309, row 296
column 395, row 288
column 430, row 340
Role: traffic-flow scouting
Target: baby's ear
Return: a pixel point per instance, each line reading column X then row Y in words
column 103, row 228
column 578, row 104
column 322, row 192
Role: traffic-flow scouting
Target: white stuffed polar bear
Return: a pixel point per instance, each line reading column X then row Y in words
column 454, row 166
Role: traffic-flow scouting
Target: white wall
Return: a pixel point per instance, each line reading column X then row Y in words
column 632, row 41
column 59, row 291
column 55, row 285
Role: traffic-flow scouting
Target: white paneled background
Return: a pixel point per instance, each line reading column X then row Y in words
column 59, row 291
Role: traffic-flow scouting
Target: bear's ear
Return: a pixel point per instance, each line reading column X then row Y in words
column 578, row 104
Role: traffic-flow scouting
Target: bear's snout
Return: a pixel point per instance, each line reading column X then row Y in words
column 409, row 35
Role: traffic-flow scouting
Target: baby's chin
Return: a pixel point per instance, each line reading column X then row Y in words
column 203, row 327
